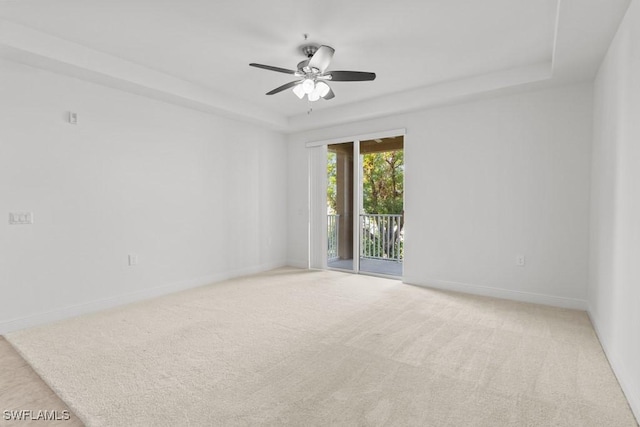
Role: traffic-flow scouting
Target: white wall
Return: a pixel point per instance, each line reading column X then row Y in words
column 485, row 181
column 614, row 279
column 197, row 197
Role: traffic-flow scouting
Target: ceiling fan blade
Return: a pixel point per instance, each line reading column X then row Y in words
column 269, row 67
column 284, row 87
column 322, row 58
column 351, row 76
column 329, row 95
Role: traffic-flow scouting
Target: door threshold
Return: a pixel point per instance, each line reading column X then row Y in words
column 366, row 273
column 384, row 276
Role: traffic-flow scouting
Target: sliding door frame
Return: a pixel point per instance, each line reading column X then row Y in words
column 317, row 232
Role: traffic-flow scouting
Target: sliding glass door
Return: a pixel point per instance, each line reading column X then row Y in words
column 365, row 206
column 341, row 176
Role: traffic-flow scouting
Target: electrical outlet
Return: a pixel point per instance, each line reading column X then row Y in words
column 520, row 260
column 17, row 218
column 133, row 259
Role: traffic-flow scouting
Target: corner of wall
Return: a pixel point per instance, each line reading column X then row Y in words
column 620, row 372
column 508, row 294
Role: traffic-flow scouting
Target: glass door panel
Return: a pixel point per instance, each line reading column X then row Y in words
column 381, row 224
column 365, row 206
column 340, row 206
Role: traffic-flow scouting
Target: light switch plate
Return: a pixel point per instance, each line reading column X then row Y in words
column 20, row 218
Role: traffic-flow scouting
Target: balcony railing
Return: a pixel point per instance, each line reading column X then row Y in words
column 333, row 233
column 381, row 236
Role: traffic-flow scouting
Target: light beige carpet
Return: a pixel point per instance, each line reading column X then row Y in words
column 295, row 347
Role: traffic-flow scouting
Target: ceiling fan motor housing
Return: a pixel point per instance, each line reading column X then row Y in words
column 309, row 49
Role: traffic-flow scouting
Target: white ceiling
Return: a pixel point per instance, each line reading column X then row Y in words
column 413, row 46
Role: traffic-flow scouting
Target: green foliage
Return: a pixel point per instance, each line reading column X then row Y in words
column 383, row 193
column 383, row 182
column 331, row 183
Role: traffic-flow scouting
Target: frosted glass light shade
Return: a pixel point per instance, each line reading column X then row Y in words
column 299, row 91
column 322, row 88
column 308, row 86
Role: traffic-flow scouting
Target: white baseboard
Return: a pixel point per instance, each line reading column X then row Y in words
column 298, row 263
column 619, row 371
column 36, row 319
column 509, row 294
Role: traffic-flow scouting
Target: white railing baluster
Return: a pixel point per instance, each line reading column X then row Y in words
column 391, row 239
column 381, row 236
column 392, row 228
column 333, row 230
column 388, row 237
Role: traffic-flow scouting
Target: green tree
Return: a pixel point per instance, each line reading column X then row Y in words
column 383, row 193
column 383, row 182
column 331, row 183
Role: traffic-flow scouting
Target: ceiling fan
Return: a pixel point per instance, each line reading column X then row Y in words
column 313, row 75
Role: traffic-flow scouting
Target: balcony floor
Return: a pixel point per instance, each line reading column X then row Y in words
column 367, row 265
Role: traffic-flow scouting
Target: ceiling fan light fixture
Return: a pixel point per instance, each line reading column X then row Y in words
column 299, row 91
column 308, row 86
column 312, row 74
